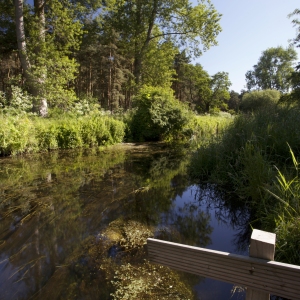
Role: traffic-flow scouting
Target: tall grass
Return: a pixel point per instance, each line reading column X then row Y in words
column 242, row 161
column 284, row 215
column 20, row 134
column 206, row 127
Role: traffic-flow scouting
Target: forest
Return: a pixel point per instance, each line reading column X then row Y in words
column 86, row 73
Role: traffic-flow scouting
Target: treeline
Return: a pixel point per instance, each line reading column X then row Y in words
column 62, row 52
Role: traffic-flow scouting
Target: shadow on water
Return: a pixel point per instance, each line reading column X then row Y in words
column 74, row 225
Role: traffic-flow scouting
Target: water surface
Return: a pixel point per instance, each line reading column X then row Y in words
column 74, row 223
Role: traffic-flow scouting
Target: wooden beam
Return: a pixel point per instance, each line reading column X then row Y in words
column 262, row 275
column 262, row 245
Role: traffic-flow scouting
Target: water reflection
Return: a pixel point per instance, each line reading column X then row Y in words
column 73, row 224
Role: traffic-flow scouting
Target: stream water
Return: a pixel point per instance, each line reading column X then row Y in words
column 73, row 225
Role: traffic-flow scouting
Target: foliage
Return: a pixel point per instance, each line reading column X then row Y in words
column 196, row 82
column 241, row 161
column 17, row 102
column 234, row 101
column 53, row 61
column 257, row 100
column 219, row 85
column 87, row 106
column 285, row 212
column 159, row 116
column 203, row 92
column 178, row 21
column 16, row 135
column 158, row 64
column 273, row 70
column 22, row 134
column 207, row 127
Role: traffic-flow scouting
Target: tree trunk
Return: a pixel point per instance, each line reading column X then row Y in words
column 139, row 52
column 35, row 86
column 20, row 31
column 42, row 106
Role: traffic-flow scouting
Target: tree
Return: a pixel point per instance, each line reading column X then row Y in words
column 273, row 70
column 158, row 68
column 141, row 22
column 45, row 49
column 219, row 85
column 258, row 100
column 197, row 85
column 234, row 101
column 181, row 60
column 296, row 22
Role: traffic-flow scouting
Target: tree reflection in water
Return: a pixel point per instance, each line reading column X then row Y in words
column 73, row 224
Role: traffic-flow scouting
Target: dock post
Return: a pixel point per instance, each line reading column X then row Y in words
column 262, row 245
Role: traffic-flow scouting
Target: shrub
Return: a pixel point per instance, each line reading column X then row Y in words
column 46, row 134
column 257, row 100
column 158, row 116
column 18, row 103
column 18, row 135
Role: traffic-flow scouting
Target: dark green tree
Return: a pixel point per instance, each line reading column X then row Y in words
column 178, row 83
column 273, row 70
column 46, row 39
column 234, row 101
column 138, row 21
column 296, row 23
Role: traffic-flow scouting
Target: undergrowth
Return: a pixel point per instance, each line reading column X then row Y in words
column 245, row 160
column 23, row 134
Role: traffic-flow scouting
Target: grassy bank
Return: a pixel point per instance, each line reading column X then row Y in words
column 25, row 133
column 22, row 133
column 255, row 160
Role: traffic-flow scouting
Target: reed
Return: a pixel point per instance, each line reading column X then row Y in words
column 242, row 162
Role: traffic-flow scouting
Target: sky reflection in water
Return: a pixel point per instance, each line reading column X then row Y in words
column 54, row 207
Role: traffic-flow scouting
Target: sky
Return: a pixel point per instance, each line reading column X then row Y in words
column 248, row 28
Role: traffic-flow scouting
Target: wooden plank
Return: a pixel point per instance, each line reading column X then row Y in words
column 228, row 275
column 262, row 245
column 269, row 276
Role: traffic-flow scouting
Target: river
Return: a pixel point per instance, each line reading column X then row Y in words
column 73, row 225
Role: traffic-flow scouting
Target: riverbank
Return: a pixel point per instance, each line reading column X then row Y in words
column 26, row 134
column 23, row 133
column 256, row 161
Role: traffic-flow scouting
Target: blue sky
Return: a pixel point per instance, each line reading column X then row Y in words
column 249, row 27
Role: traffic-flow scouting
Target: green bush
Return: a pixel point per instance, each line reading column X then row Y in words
column 158, row 116
column 68, row 135
column 46, row 134
column 19, row 135
column 19, row 102
column 16, row 135
column 257, row 100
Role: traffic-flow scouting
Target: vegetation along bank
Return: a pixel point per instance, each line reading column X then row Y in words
column 93, row 73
